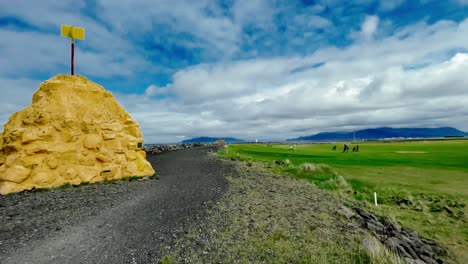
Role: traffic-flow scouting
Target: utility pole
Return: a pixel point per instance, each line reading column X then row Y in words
column 73, row 33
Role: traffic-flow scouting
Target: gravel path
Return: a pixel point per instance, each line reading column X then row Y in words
column 122, row 222
column 268, row 218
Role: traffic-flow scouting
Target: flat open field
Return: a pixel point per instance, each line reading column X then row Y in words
column 422, row 185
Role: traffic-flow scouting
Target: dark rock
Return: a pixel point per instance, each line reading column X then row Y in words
column 408, row 232
column 392, row 243
column 429, row 242
column 359, row 220
column 439, row 251
column 418, row 261
column 413, row 261
column 402, row 252
column 426, row 252
column 157, row 149
column 409, row 249
column 421, row 248
column 447, row 210
column 346, row 212
column 428, row 260
column 400, row 200
column 366, row 215
column 403, row 241
column 375, row 226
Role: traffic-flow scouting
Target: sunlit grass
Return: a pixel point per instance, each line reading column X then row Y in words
column 423, row 185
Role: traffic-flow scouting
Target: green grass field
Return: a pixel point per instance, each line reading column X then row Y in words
column 423, row 185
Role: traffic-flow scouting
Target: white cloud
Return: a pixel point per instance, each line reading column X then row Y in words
column 317, row 8
column 107, row 50
column 203, row 19
column 154, row 90
column 256, row 12
column 432, row 96
column 221, row 81
column 414, row 77
column 389, row 5
column 102, row 53
column 16, row 94
column 369, row 27
column 364, row 85
column 312, row 21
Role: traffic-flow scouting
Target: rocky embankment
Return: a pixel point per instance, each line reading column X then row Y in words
column 162, row 148
column 403, row 241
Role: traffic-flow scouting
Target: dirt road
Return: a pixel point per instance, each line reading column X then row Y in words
column 122, row 222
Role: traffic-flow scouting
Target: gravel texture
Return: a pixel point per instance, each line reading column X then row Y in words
column 119, row 222
column 267, row 218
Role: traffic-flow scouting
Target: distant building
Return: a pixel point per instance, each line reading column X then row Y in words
column 220, row 141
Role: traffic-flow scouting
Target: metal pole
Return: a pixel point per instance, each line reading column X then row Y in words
column 73, row 57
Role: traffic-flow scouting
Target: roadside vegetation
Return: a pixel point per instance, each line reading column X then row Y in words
column 422, row 185
column 268, row 218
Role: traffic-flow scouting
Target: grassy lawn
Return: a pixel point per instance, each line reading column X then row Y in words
column 423, row 185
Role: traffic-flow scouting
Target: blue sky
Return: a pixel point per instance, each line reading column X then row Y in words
column 251, row 68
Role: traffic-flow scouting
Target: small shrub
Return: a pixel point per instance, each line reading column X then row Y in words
column 341, row 182
column 435, row 207
column 308, row 167
column 167, row 260
column 379, row 254
column 329, row 184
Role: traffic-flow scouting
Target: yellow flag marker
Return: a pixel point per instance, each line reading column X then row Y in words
column 73, row 33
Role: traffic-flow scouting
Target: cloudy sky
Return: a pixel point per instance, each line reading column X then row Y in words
column 249, row 68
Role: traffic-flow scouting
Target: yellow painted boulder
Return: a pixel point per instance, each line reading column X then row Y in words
column 73, row 132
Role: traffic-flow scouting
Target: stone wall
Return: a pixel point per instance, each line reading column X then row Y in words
column 161, row 148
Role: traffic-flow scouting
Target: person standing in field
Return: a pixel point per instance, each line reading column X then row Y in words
column 334, row 148
column 345, row 148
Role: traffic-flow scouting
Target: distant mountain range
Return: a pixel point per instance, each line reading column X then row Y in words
column 211, row 140
column 384, row 132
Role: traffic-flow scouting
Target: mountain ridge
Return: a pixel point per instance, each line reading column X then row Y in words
column 384, row 132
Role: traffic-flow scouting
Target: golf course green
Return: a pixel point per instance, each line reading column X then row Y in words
column 423, row 184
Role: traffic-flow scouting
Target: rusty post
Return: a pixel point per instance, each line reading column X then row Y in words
column 73, row 57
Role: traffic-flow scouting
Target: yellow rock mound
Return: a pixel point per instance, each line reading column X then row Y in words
column 73, row 132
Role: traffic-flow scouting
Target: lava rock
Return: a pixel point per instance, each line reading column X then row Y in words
column 162, row 148
column 403, row 241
